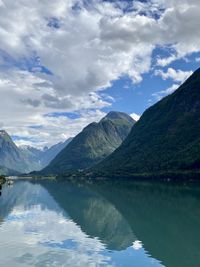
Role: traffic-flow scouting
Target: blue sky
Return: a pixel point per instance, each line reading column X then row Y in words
column 136, row 98
column 67, row 63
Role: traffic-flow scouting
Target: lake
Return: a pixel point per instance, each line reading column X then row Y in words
column 104, row 223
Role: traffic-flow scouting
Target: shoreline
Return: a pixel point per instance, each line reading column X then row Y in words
column 181, row 176
column 2, row 180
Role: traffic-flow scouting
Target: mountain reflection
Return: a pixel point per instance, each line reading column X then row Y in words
column 164, row 217
column 105, row 223
column 94, row 214
column 35, row 231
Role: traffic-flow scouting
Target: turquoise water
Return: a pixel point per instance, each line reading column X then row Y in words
column 99, row 224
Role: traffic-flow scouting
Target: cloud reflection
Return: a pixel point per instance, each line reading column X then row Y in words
column 46, row 238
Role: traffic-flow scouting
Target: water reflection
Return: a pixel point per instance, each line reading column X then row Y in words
column 165, row 217
column 36, row 232
column 95, row 215
column 99, row 224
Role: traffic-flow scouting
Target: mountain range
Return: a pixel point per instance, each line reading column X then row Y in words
column 165, row 139
column 93, row 144
column 45, row 156
column 11, row 157
column 15, row 160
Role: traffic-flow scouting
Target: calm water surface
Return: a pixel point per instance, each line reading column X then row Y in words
column 99, row 224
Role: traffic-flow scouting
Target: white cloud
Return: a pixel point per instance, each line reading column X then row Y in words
column 175, row 75
column 166, row 61
column 24, row 106
column 159, row 95
column 137, row 245
column 135, row 116
column 50, row 129
column 85, row 49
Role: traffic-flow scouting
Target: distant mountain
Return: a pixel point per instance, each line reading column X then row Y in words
column 41, row 158
column 32, row 151
column 32, row 156
column 94, row 143
column 6, row 171
column 15, row 160
column 49, row 154
column 11, row 157
column 165, row 139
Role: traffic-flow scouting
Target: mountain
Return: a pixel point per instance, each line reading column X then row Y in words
column 6, row 171
column 15, row 160
column 94, row 143
column 165, row 139
column 41, row 158
column 32, row 156
column 49, row 154
column 32, row 152
column 11, row 157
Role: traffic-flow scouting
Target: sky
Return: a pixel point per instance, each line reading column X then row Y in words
column 66, row 63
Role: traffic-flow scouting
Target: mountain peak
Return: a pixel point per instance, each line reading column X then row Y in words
column 3, row 132
column 5, row 136
column 94, row 143
column 113, row 113
column 117, row 115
